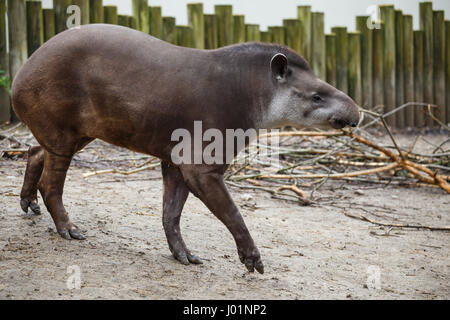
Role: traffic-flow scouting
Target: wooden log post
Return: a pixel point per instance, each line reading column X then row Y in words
column 419, row 113
column 330, row 44
column 211, row 31
column 35, row 26
column 399, row 68
column 408, row 64
column 60, row 7
column 155, row 21
column 169, row 33
column 96, row 11
column 225, row 29
column 141, row 14
column 378, row 67
column 84, row 10
column 265, row 36
column 388, row 17
column 252, row 33
column 132, row 23
column 49, row 24
column 366, row 61
column 439, row 65
column 354, row 67
column 426, row 25
column 305, row 16
column 17, row 35
column 317, row 47
column 122, row 20
column 277, row 34
column 185, row 36
column 110, row 14
column 238, row 28
column 197, row 22
column 5, row 109
column 293, row 34
column 341, row 58
column 447, row 70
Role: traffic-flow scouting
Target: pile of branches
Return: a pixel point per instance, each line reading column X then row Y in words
column 308, row 159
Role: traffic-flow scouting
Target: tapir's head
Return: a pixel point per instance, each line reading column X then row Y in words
column 300, row 99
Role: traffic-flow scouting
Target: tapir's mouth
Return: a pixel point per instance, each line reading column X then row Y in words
column 338, row 124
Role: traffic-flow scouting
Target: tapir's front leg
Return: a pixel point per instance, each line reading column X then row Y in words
column 175, row 195
column 210, row 188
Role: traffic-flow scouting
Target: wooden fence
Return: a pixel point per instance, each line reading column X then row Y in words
column 383, row 64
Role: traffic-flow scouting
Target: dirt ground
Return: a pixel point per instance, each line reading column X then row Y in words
column 309, row 252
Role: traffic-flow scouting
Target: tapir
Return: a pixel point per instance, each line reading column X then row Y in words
column 133, row 90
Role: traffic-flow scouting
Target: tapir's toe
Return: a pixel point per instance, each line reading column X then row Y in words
column 194, row 259
column 71, row 232
column 32, row 204
column 185, row 257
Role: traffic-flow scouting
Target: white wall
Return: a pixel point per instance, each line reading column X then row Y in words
column 272, row 12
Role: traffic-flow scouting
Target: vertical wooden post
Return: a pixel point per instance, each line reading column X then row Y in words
column 49, row 24
column 354, row 66
column 155, row 21
column 35, row 26
column 96, row 11
column 277, row 35
column 366, row 61
column 239, row 28
column 184, row 36
column 197, row 22
column 419, row 113
column 426, row 25
column 141, row 14
column 399, row 68
column 408, row 75
column 292, row 34
column 84, row 10
column 388, row 17
column 330, row 44
column 4, row 68
column 447, row 70
column 211, row 41
column 252, row 33
column 265, row 36
column 110, row 14
column 122, row 20
column 17, row 26
column 225, row 24
column 305, row 16
column 132, row 22
column 439, row 65
column 169, row 33
column 60, row 7
column 341, row 58
column 378, row 67
column 318, row 55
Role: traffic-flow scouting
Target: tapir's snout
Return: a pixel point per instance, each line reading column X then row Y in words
column 346, row 115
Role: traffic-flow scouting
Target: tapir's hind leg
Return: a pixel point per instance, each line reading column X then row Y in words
column 175, row 195
column 51, row 187
column 35, row 164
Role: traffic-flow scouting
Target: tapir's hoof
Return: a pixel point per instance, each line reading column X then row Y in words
column 187, row 258
column 71, row 233
column 252, row 263
column 33, row 205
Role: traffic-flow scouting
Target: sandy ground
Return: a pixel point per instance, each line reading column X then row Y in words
column 308, row 252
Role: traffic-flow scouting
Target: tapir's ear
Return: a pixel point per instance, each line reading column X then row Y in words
column 279, row 67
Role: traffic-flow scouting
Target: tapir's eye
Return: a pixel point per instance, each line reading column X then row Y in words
column 316, row 98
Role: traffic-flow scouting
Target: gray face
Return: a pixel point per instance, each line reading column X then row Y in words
column 302, row 100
